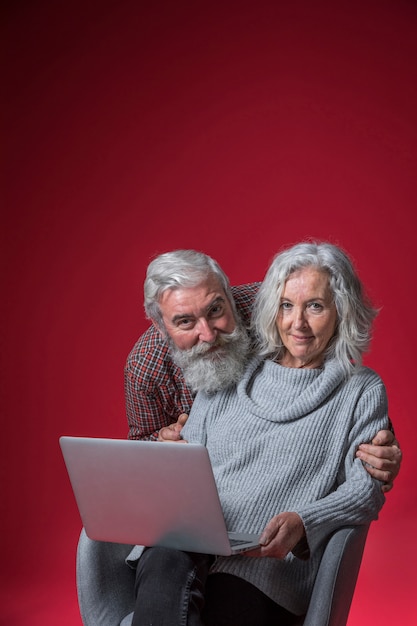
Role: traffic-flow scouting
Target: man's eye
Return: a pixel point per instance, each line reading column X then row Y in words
column 216, row 311
column 184, row 323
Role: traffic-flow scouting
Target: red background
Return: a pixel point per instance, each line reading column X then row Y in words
column 133, row 128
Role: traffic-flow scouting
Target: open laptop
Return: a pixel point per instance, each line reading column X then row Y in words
column 149, row 493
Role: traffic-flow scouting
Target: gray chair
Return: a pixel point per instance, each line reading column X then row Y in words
column 109, row 600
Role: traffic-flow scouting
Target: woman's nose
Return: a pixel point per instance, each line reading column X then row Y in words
column 300, row 319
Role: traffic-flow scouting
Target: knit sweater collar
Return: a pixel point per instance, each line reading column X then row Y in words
column 283, row 394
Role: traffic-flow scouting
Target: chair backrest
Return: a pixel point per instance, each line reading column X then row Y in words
column 105, row 584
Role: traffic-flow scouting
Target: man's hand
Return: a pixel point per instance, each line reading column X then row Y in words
column 173, row 431
column 382, row 457
column 282, row 533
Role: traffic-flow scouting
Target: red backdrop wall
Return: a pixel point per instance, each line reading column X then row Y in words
column 133, row 128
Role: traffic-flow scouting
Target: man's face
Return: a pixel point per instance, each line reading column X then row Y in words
column 205, row 340
column 195, row 315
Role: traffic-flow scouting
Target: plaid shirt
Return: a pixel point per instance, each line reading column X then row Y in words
column 155, row 391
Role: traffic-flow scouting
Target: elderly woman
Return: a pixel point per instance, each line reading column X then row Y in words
column 282, row 445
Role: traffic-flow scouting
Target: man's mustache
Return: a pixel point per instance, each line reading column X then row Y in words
column 220, row 341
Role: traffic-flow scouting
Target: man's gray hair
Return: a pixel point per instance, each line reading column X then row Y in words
column 179, row 269
column 354, row 311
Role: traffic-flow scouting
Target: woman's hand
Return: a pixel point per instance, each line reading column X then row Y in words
column 282, row 533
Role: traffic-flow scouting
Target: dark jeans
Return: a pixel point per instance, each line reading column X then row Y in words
column 173, row 589
column 170, row 587
column 232, row 601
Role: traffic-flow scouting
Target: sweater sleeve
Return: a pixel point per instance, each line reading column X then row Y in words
column 358, row 498
column 155, row 391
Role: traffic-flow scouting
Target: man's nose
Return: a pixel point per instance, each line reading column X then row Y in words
column 205, row 331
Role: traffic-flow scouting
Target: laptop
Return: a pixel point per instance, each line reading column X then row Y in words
column 149, row 493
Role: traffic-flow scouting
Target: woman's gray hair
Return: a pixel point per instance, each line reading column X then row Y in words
column 354, row 311
column 179, row 269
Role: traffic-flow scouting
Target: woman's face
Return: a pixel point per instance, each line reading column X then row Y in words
column 307, row 317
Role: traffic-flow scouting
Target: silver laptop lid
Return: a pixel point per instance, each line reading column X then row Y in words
column 146, row 493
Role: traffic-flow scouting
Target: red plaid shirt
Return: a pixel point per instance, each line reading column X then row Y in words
column 155, row 390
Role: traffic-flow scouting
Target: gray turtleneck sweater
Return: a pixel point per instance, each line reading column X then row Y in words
column 283, row 440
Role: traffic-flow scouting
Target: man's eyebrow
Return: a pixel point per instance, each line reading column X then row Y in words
column 217, row 300
column 181, row 316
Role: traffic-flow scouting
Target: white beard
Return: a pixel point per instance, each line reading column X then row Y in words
column 211, row 371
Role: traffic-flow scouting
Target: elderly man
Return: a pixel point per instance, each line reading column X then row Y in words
column 200, row 340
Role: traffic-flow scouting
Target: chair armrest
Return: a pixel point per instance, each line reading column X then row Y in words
column 336, row 579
